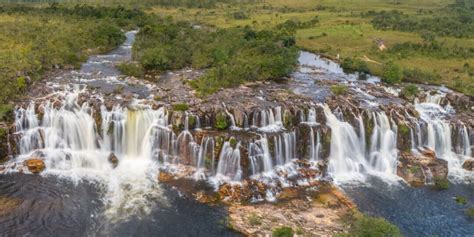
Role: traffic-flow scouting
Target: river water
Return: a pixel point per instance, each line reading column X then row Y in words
column 80, row 194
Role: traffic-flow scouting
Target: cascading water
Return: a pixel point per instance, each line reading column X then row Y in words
column 348, row 159
column 68, row 141
column 383, row 145
column 268, row 120
column 434, row 131
column 228, row 168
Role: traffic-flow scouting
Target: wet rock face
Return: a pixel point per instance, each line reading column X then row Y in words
column 113, row 160
column 417, row 169
column 35, row 165
column 468, row 164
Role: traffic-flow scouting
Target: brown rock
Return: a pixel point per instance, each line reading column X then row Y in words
column 203, row 197
column 468, row 164
column 35, row 166
column 113, row 160
column 414, row 168
column 165, row 176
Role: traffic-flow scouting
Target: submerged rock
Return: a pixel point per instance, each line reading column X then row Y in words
column 35, row 165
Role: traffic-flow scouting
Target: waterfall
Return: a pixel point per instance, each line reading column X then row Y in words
column 435, row 132
column 315, row 145
column 465, row 143
column 269, row 120
column 68, row 140
column 348, row 159
column 206, row 154
column 383, row 144
column 285, row 147
column 228, row 167
column 259, row 156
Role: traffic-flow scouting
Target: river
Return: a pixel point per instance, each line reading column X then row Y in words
column 81, row 194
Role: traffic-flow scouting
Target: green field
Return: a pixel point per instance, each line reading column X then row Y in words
column 343, row 31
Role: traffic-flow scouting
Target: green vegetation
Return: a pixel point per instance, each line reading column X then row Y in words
column 404, row 130
column 414, row 169
column 6, row 112
column 363, row 225
column 131, row 69
column 254, row 219
column 180, row 107
column 350, row 65
column 230, row 56
column 461, row 200
column 470, row 212
column 409, row 92
column 35, row 40
column 430, row 41
column 284, row 231
column 339, row 89
column 392, row 73
column 456, row 20
column 221, row 122
column 440, row 183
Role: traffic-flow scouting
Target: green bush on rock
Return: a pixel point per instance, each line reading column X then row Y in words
column 461, row 200
column 339, row 89
column 131, row 69
column 221, row 122
column 440, row 183
column 365, row 226
column 180, row 107
column 470, row 212
column 284, row 231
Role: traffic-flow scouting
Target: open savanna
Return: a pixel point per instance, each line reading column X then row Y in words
column 344, row 31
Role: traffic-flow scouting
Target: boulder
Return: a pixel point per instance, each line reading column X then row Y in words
column 417, row 169
column 113, row 160
column 35, row 165
column 468, row 164
column 165, row 176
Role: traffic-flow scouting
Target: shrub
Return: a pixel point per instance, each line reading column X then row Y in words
column 440, row 183
column 284, row 231
column 373, row 226
column 470, row 212
column 461, row 200
column 231, row 56
column 239, row 15
column 21, row 83
column 131, row 69
column 409, row 91
column 404, row 130
column 339, row 89
column 221, row 122
column 392, row 73
column 6, row 112
column 418, row 76
column 180, row 107
column 254, row 219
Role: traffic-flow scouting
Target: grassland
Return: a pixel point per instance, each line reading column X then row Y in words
column 33, row 41
column 344, row 32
